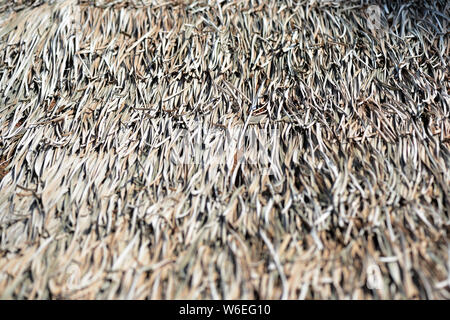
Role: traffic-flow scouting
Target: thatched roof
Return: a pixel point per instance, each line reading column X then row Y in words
column 224, row 149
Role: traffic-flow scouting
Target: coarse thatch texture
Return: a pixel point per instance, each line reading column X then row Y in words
column 127, row 169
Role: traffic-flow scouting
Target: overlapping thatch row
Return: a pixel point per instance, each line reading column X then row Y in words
column 246, row 149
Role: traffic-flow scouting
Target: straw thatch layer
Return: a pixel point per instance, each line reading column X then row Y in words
column 128, row 168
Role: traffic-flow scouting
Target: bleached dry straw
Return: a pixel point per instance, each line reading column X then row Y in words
column 218, row 149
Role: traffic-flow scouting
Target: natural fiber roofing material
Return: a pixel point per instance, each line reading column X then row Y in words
column 248, row 149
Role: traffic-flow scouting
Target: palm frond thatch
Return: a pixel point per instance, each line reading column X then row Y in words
column 219, row 149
